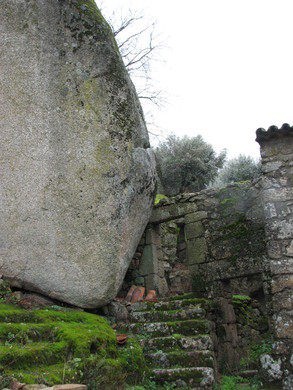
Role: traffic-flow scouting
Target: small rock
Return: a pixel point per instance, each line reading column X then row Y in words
column 31, row 301
column 271, row 368
column 130, row 293
column 151, row 296
column 117, row 310
column 138, row 294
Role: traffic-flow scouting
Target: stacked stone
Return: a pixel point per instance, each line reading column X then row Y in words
column 277, row 194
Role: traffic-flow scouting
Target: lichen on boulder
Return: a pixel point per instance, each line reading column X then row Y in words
column 78, row 173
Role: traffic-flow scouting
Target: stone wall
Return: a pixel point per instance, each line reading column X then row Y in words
column 199, row 241
column 277, row 196
column 212, row 243
column 234, row 245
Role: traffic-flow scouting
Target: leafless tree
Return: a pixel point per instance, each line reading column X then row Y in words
column 139, row 47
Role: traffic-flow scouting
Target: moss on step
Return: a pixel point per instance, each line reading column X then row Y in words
column 187, row 327
column 60, row 346
column 184, row 296
column 190, row 327
column 174, row 304
column 26, row 333
column 192, row 375
column 168, row 315
column 50, row 374
column 181, row 358
column 35, row 353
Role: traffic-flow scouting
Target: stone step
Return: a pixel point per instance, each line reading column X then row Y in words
column 26, row 333
column 194, row 377
column 199, row 343
column 175, row 304
column 189, row 295
column 187, row 328
column 160, row 315
column 32, row 354
column 161, row 359
column 47, row 372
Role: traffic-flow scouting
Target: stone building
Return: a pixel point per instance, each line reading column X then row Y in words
column 234, row 245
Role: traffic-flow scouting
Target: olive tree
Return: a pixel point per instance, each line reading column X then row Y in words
column 238, row 169
column 187, row 164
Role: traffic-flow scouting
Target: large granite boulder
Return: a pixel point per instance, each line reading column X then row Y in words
column 77, row 173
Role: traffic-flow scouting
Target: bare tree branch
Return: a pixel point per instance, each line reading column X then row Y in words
column 125, row 23
column 138, row 45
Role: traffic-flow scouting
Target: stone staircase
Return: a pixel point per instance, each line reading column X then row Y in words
column 176, row 337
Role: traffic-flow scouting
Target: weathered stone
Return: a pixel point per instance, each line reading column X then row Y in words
column 194, row 230
column 117, row 310
column 196, row 251
column 271, row 166
column 77, row 171
column 271, row 368
column 196, row 216
column 290, row 249
column 227, row 310
column 276, row 148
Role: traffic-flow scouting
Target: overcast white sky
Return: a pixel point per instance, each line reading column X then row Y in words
column 227, row 68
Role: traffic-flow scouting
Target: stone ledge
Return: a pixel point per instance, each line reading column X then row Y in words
column 273, row 132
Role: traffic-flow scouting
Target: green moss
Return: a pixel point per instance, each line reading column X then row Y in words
column 227, row 202
column 159, row 197
column 181, row 358
column 255, row 350
column 49, row 374
column 133, row 361
column 29, row 354
column 189, row 327
column 238, row 383
column 231, row 382
column 243, row 238
column 240, row 299
column 59, row 346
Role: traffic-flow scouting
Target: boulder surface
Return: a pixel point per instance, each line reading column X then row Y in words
column 77, row 173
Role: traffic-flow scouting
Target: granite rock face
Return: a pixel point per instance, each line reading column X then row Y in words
column 77, row 173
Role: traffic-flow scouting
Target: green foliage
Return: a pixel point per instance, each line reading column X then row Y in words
column 187, row 164
column 230, row 382
column 239, row 169
column 238, row 383
column 255, row 351
column 150, row 385
column 133, row 360
column 237, row 298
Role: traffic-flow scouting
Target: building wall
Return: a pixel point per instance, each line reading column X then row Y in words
column 234, row 245
column 212, row 243
column 277, row 197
